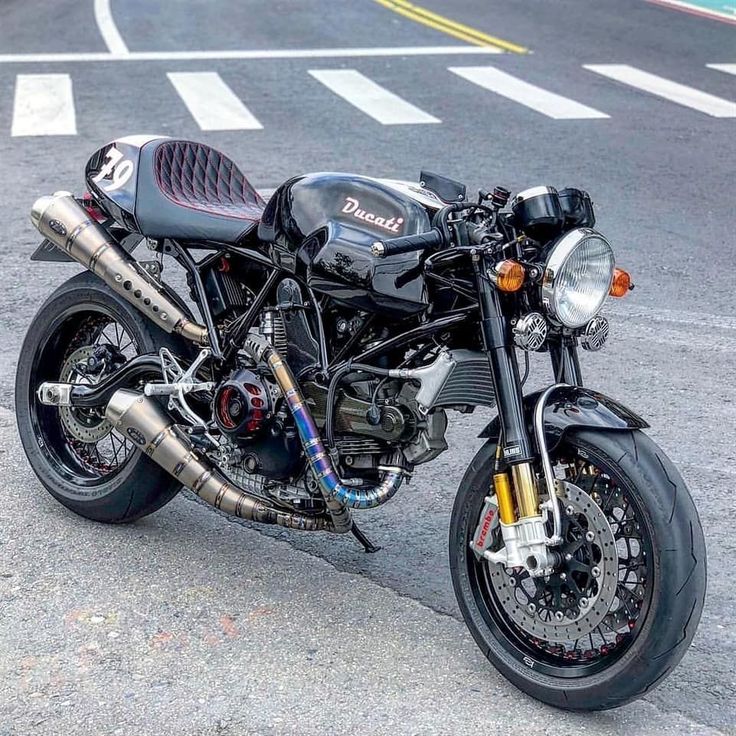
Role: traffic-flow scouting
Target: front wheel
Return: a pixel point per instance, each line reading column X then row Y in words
column 620, row 611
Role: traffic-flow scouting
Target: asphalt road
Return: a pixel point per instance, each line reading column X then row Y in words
column 188, row 623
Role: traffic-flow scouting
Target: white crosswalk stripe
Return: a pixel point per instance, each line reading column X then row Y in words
column 690, row 97
column 212, row 103
column 44, row 105
column 370, row 98
column 728, row 68
column 548, row 103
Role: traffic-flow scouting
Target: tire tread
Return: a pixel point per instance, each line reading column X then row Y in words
column 677, row 598
column 147, row 487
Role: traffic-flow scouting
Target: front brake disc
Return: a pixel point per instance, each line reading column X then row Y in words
column 577, row 597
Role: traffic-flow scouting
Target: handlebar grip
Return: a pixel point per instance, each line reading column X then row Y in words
column 407, row 243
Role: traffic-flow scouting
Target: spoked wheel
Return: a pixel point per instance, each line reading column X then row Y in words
column 620, row 609
column 82, row 334
column 81, row 442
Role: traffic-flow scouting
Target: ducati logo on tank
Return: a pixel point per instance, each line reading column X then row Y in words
column 352, row 207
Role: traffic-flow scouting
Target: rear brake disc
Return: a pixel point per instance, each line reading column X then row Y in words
column 84, row 425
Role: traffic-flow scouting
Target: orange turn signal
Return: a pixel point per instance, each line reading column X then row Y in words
column 621, row 283
column 509, row 275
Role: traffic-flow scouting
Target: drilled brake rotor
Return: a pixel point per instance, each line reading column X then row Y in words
column 85, row 425
column 576, row 599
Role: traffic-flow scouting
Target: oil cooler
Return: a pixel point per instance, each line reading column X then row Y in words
column 455, row 378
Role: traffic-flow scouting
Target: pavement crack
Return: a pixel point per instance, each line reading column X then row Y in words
column 191, row 497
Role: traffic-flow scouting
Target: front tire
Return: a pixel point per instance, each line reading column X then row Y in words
column 660, row 612
column 96, row 473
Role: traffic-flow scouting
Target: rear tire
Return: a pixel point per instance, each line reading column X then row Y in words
column 128, row 491
column 672, row 598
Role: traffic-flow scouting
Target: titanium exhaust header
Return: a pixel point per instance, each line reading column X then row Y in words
column 336, row 494
column 63, row 221
column 142, row 420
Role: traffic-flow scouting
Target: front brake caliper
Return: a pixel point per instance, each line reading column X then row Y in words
column 487, row 524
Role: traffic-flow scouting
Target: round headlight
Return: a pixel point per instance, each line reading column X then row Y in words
column 577, row 277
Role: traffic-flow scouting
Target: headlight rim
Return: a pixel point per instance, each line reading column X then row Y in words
column 559, row 253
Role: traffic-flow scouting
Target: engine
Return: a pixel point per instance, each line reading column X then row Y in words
column 373, row 421
column 370, row 421
column 374, row 418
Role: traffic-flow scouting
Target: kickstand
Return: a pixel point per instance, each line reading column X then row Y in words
column 368, row 546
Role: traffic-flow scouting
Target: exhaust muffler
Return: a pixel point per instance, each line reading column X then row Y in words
column 143, row 421
column 63, row 221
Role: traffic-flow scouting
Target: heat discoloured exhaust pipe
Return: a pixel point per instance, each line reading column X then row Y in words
column 63, row 221
column 143, row 421
column 337, row 495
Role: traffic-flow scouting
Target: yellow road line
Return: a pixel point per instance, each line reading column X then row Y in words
column 448, row 26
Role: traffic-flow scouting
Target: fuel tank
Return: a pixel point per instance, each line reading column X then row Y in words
column 322, row 227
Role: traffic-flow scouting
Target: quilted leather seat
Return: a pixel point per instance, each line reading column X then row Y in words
column 189, row 191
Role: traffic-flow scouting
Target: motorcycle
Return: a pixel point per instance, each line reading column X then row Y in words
column 339, row 323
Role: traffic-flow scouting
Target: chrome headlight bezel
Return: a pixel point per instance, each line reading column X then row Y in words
column 554, row 274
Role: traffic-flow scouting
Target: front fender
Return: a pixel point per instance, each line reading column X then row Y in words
column 573, row 406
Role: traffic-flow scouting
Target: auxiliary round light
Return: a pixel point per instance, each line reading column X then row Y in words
column 595, row 334
column 530, row 331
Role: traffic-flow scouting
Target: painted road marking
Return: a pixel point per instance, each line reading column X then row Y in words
column 728, row 68
column 370, row 98
column 212, row 103
column 450, row 27
column 249, row 54
column 681, row 94
column 713, row 9
column 549, row 104
column 108, row 30
column 44, row 105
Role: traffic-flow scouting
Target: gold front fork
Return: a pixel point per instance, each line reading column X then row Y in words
column 525, row 486
column 525, row 490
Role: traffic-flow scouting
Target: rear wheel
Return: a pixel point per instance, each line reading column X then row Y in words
column 621, row 609
column 81, row 334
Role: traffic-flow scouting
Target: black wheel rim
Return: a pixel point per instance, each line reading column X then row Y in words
column 615, row 496
column 85, row 465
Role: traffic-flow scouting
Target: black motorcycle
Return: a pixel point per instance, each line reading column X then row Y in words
column 338, row 323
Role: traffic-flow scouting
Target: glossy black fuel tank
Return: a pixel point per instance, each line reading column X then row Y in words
column 322, row 227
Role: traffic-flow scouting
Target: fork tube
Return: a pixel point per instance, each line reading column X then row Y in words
column 505, row 373
column 565, row 364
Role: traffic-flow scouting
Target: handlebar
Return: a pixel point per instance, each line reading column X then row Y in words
column 407, row 243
